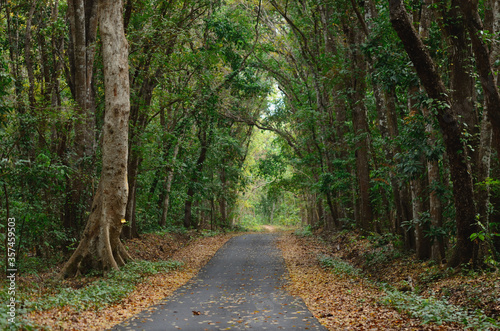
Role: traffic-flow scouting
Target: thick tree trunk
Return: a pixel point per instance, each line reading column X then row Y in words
column 100, row 247
column 463, row 192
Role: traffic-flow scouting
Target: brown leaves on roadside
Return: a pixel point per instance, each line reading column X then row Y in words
column 339, row 302
column 195, row 254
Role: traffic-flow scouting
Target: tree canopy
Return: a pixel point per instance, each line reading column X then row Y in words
column 371, row 116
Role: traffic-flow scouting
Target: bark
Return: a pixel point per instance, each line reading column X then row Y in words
column 205, row 142
column 400, row 197
column 100, row 247
column 82, row 16
column 57, row 46
column 361, row 132
column 422, row 243
column 417, row 187
column 130, row 228
column 168, row 185
column 483, row 63
column 84, row 28
column 222, row 199
column 483, row 172
column 27, row 56
column 463, row 193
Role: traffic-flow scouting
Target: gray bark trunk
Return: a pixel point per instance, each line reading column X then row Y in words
column 100, row 247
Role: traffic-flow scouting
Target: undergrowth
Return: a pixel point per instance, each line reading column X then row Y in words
column 338, row 266
column 97, row 295
column 305, row 231
column 432, row 310
column 428, row 310
column 107, row 290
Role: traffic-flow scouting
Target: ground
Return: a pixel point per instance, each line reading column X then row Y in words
column 194, row 253
column 339, row 301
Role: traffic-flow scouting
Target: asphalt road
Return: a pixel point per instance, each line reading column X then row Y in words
column 240, row 288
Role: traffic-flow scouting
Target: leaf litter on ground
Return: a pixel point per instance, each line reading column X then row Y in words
column 193, row 254
column 341, row 300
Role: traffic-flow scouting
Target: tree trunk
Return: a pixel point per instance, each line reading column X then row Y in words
column 205, row 141
column 82, row 16
column 168, row 185
column 222, row 199
column 27, row 57
column 361, row 132
column 483, row 63
column 462, row 180
column 130, row 228
column 422, row 243
column 100, row 247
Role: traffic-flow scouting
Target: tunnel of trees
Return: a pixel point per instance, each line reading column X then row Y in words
column 362, row 115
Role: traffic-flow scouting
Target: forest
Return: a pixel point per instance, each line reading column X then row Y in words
column 125, row 119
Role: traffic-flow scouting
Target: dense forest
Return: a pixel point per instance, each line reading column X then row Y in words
column 370, row 116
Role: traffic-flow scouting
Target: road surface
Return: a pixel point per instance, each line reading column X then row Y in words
column 241, row 288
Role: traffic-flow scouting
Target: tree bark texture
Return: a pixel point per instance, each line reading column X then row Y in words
column 205, row 142
column 361, row 132
column 168, row 185
column 100, row 247
column 462, row 180
column 82, row 17
column 482, row 55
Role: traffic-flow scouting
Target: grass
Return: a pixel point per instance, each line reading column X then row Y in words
column 97, row 295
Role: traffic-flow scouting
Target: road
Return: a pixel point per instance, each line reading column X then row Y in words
column 241, row 288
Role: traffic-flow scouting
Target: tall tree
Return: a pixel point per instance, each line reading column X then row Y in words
column 100, row 247
column 463, row 192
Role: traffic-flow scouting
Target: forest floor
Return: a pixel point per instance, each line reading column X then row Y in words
column 193, row 250
column 339, row 276
column 355, row 283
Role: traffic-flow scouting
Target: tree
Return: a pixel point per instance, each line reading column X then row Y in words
column 100, row 247
column 463, row 192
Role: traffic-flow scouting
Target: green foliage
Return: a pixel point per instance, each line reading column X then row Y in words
column 432, row 310
column 338, row 266
column 305, row 231
column 110, row 289
column 210, row 233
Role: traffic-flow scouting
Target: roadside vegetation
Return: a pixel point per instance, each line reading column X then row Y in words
column 163, row 261
column 431, row 293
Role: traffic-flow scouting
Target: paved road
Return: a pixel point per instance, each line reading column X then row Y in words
column 240, row 288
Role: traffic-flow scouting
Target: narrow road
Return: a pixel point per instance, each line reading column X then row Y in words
column 240, row 288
